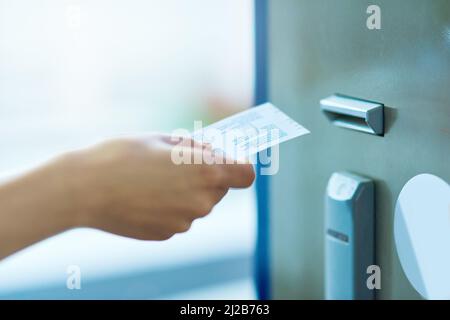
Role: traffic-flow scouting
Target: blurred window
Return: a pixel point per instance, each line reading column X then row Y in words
column 76, row 71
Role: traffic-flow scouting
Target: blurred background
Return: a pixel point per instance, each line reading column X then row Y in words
column 74, row 72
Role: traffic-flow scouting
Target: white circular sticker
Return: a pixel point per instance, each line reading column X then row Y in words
column 422, row 234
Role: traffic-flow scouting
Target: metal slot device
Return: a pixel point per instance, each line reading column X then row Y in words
column 349, row 236
column 356, row 114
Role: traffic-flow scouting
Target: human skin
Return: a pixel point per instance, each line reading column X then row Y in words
column 126, row 186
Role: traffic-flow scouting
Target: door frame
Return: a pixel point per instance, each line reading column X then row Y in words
column 262, row 255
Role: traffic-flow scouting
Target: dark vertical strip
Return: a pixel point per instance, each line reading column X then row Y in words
column 262, row 274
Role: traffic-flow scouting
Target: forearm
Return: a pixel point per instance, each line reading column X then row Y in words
column 129, row 187
column 34, row 207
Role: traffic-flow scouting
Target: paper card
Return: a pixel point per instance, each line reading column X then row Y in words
column 248, row 132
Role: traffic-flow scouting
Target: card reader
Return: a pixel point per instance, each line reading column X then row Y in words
column 349, row 236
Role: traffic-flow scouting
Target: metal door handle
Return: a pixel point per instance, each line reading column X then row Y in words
column 353, row 113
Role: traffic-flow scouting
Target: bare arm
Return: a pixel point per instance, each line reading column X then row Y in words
column 129, row 187
column 35, row 207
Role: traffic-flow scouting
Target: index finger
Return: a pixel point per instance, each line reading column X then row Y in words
column 238, row 175
column 184, row 142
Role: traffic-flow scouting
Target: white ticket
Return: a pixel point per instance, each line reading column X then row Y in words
column 248, row 132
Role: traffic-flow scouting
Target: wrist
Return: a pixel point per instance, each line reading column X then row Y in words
column 37, row 201
column 35, row 206
column 55, row 187
column 78, row 178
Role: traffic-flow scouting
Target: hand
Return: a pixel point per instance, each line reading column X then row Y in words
column 132, row 188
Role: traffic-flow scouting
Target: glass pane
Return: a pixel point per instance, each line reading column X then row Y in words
column 74, row 72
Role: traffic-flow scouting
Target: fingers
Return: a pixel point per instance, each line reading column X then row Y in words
column 238, row 175
column 227, row 175
column 183, row 142
column 218, row 194
column 221, row 172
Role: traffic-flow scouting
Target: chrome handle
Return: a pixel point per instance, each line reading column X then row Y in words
column 353, row 113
